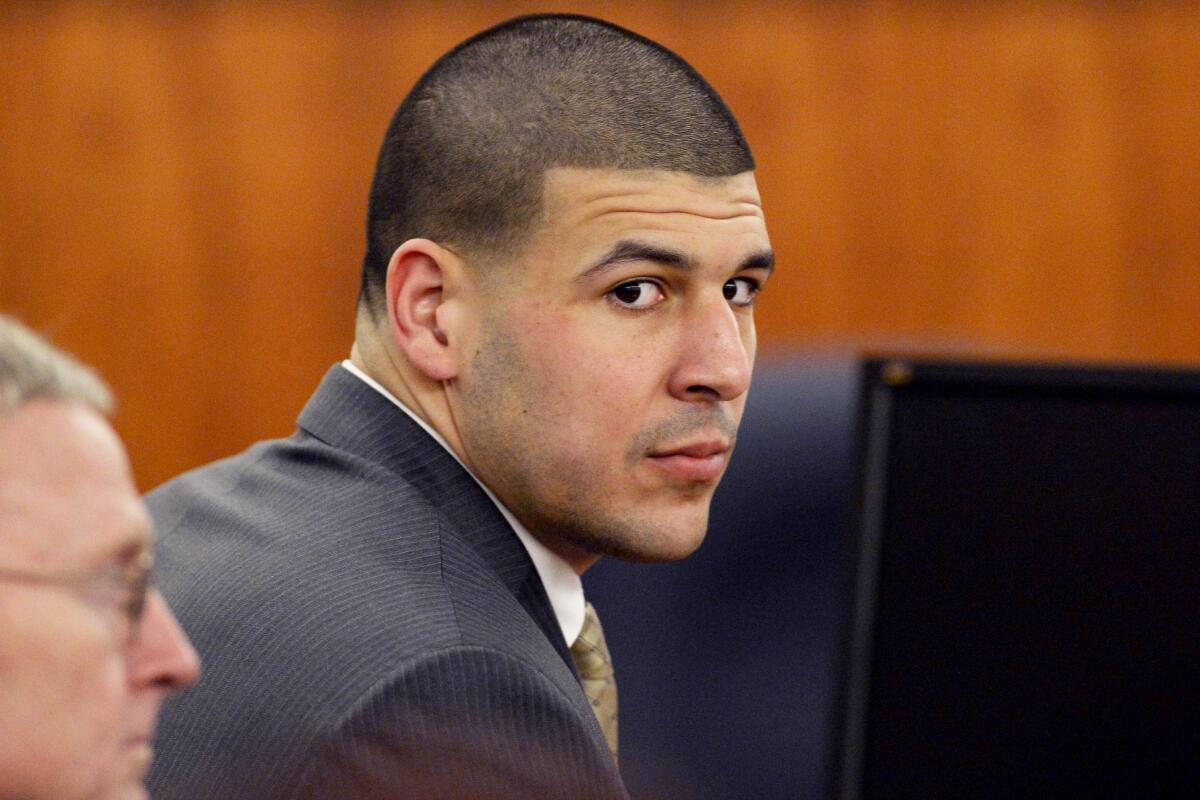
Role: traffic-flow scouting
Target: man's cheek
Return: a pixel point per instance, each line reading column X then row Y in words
column 560, row 379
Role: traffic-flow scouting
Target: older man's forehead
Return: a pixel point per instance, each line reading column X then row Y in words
column 66, row 496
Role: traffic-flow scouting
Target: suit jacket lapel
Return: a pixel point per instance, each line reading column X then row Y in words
column 348, row 414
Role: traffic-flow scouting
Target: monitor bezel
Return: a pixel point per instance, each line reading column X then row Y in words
column 883, row 379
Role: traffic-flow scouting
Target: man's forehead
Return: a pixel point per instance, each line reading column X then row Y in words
column 66, row 494
column 582, row 192
column 57, row 441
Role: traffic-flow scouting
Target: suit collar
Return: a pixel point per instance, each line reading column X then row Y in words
column 348, row 414
column 559, row 579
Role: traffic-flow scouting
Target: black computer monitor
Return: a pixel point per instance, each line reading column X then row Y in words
column 1026, row 599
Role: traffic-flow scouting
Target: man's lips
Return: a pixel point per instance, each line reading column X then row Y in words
column 694, row 461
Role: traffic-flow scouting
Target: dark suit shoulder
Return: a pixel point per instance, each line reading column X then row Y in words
column 297, row 545
column 319, row 587
column 303, row 576
column 464, row 722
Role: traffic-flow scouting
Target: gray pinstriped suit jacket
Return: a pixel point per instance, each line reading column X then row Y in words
column 370, row 626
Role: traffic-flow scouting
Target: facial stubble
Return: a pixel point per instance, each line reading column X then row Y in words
column 509, row 423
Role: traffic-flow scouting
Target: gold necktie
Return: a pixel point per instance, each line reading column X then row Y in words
column 591, row 657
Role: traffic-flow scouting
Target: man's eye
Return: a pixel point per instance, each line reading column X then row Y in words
column 741, row 291
column 638, row 295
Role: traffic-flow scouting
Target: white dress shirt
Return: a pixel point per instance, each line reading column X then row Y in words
column 562, row 583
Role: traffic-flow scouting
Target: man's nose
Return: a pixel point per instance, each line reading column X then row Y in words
column 161, row 655
column 716, row 354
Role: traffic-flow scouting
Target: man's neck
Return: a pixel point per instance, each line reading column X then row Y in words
column 423, row 398
column 559, row 577
column 427, row 402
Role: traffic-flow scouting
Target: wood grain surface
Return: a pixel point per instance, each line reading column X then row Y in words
column 183, row 185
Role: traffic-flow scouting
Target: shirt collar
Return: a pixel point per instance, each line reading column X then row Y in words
column 563, row 585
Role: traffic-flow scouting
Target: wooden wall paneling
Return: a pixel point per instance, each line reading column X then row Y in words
column 183, row 186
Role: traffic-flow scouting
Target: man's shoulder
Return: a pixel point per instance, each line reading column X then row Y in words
column 278, row 482
column 314, row 583
column 297, row 526
column 458, row 721
column 470, row 721
column 344, row 589
column 274, row 475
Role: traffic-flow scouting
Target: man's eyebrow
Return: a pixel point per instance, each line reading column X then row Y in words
column 763, row 259
column 625, row 251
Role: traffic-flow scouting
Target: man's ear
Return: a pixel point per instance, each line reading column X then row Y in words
column 416, row 277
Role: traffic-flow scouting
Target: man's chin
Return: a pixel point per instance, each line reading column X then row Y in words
column 137, row 760
column 125, row 790
column 650, row 533
column 652, row 542
column 133, row 790
column 674, row 549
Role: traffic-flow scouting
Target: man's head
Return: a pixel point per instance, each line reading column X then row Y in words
column 564, row 243
column 86, row 655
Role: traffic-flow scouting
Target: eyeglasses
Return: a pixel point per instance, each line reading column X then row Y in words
column 121, row 586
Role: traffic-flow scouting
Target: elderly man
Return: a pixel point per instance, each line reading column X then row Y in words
column 87, row 650
column 554, row 342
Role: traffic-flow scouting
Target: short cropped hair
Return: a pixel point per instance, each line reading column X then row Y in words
column 31, row 368
column 464, row 158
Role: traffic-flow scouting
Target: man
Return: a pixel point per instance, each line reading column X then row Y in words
column 553, row 347
column 87, row 650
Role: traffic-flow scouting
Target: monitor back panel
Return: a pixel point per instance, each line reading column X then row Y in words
column 1027, row 585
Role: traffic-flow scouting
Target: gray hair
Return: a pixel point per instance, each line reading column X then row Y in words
column 32, row 368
